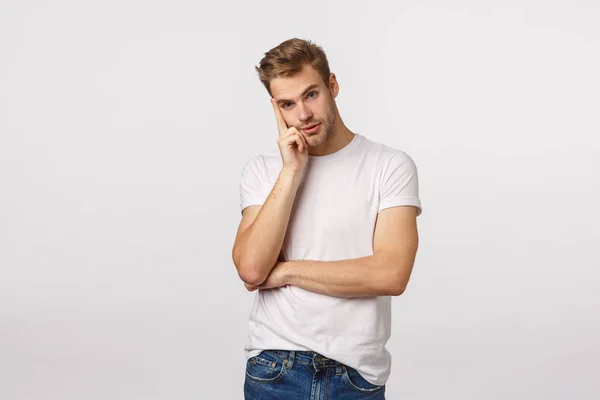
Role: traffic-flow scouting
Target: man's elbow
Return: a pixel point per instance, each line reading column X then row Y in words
column 397, row 290
column 247, row 271
column 251, row 277
column 397, row 283
column 251, row 274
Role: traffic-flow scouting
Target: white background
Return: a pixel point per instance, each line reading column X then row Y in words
column 124, row 126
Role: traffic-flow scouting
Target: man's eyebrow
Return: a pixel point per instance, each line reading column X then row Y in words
column 308, row 89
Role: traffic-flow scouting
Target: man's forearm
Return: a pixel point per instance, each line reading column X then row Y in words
column 260, row 244
column 358, row 277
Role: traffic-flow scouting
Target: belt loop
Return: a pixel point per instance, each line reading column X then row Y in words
column 290, row 359
column 338, row 369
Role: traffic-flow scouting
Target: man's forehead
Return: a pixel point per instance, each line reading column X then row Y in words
column 293, row 90
column 295, row 85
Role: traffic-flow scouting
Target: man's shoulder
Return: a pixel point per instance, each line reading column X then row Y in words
column 384, row 150
column 263, row 163
column 263, row 158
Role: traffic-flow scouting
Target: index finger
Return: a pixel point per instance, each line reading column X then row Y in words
column 281, row 125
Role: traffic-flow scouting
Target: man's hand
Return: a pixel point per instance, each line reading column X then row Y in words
column 277, row 278
column 292, row 143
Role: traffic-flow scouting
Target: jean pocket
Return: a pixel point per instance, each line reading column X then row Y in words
column 355, row 380
column 265, row 368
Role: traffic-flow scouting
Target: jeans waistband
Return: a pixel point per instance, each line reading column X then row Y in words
column 310, row 358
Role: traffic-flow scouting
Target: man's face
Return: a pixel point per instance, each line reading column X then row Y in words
column 304, row 101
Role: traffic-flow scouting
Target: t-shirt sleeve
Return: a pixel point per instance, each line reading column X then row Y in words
column 400, row 183
column 253, row 186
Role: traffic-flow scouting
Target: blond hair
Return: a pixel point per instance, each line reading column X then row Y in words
column 288, row 58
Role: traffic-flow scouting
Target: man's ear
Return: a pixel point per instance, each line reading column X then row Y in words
column 334, row 87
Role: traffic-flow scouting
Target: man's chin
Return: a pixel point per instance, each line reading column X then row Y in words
column 314, row 141
column 320, row 139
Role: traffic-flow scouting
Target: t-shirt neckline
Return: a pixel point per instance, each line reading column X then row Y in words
column 340, row 153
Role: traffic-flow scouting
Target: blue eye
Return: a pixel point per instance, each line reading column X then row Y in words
column 315, row 93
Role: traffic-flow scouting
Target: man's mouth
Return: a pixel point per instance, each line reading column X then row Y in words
column 311, row 128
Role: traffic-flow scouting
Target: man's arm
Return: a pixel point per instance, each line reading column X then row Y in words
column 262, row 230
column 384, row 273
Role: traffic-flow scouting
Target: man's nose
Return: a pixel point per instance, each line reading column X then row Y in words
column 305, row 113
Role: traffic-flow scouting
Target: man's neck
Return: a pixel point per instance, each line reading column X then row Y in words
column 337, row 140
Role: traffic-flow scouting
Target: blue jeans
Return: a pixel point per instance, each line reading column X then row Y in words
column 304, row 375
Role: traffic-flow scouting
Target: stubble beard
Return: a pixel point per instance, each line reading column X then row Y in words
column 325, row 131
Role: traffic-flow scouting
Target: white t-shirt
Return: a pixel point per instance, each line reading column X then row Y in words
column 333, row 218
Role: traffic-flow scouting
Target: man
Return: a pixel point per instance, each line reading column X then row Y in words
column 328, row 234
